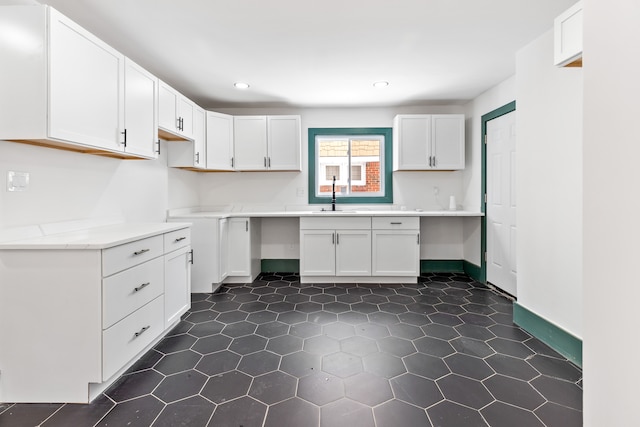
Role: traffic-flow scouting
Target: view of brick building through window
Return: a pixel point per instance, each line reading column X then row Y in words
column 333, row 160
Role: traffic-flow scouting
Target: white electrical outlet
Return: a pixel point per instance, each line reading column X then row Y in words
column 17, row 181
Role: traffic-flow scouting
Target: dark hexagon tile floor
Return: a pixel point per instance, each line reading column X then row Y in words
column 275, row 352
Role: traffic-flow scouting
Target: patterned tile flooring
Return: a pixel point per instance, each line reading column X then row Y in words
column 278, row 353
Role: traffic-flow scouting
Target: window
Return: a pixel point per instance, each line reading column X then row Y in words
column 358, row 158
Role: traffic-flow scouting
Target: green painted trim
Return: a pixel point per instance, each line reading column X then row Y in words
column 280, row 265
column 441, row 266
column 555, row 337
column 505, row 109
column 388, row 164
column 472, row 270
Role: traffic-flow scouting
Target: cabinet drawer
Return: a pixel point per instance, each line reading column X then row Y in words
column 125, row 256
column 125, row 292
column 340, row 222
column 124, row 340
column 395, row 223
column 177, row 239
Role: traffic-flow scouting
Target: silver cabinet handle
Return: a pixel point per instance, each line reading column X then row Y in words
column 246, row 225
column 232, row 162
column 198, row 158
column 179, row 239
column 158, row 147
column 178, row 123
column 125, row 137
column 333, row 238
column 191, row 253
column 269, row 161
column 142, row 331
column 418, row 238
column 141, row 251
column 141, row 287
column 434, row 161
column 396, row 223
column 337, row 238
column 429, row 161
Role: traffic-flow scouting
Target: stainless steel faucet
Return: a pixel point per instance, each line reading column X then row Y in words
column 333, row 196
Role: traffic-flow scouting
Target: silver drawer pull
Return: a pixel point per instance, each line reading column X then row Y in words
column 179, row 239
column 141, row 251
column 141, row 287
column 396, row 223
column 142, row 331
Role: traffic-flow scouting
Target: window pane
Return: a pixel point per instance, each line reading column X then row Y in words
column 365, row 166
column 333, row 160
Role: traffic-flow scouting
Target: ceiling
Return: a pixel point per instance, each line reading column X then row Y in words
column 319, row 53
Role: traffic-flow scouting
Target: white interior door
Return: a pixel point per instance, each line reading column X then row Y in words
column 501, row 203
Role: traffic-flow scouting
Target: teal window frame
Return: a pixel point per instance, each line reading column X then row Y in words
column 388, row 164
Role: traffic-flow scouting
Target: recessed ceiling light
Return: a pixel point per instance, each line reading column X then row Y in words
column 240, row 85
column 381, row 84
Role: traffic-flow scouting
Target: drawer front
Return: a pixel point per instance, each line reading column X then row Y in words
column 177, row 239
column 124, row 340
column 340, row 222
column 395, row 223
column 128, row 255
column 125, row 292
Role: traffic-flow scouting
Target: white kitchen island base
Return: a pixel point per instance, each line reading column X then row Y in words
column 79, row 308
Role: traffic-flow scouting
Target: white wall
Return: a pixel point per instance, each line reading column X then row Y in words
column 611, row 206
column 411, row 189
column 549, row 186
column 67, row 186
column 488, row 101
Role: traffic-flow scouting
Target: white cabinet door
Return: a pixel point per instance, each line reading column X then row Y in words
column 250, row 142
column 86, row 87
column 239, row 253
column 568, row 35
column 168, row 108
column 219, row 141
column 353, row 252
column 223, row 244
column 317, row 253
column 177, row 284
column 283, row 141
column 412, row 142
column 447, row 141
column 199, row 138
column 186, row 115
column 396, row 253
column 141, row 110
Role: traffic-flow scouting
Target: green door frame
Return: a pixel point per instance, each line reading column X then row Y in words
column 505, row 109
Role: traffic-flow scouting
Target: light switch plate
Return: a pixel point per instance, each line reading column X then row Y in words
column 17, row 181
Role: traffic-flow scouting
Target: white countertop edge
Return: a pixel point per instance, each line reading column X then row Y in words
column 294, row 214
column 96, row 238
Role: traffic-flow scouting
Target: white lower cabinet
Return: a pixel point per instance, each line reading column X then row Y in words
column 357, row 248
column 243, row 249
column 98, row 310
column 337, row 246
column 177, row 284
column 396, row 246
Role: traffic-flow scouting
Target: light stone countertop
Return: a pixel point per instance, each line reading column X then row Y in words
column 101, row 237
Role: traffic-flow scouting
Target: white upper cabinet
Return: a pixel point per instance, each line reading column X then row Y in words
column 567, row 28
column 428, row 142
column 190, row 154
column 267, row 143
column 61, row 86
column 176, row 114
column 219, row 141
column 250, row 142
column 283, row 143
column 141, row 110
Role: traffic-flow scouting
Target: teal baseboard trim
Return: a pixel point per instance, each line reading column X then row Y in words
column 472, row 270
column 441, row 266
column 555, row 337
column 280, row 265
